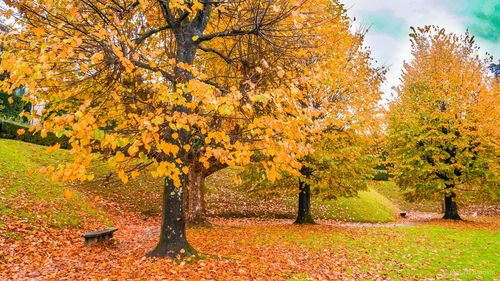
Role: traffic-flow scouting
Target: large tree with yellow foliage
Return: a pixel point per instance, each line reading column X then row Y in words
column 441, row 144
column 155, row 86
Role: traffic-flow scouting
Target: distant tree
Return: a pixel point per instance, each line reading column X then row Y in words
column 438, row 143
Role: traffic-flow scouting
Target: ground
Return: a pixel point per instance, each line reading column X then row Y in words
column 41, row 225
column 253, row 249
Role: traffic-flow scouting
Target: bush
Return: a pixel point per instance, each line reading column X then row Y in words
column 12, row 111
column 8, row 130
column 381, row 175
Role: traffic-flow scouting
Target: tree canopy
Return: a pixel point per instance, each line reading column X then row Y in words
column 439, row 144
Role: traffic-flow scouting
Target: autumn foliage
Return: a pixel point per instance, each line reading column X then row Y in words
column 440, row 142
column 181, row 89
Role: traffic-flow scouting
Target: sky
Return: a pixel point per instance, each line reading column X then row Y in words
column 389, row 24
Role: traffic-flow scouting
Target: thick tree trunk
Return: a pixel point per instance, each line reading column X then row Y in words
column 195, row 212
column 450, row 207
column 304, row 211
column 173, row 243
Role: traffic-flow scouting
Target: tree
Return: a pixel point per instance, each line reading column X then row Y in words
column 141, row 85
column 437, row 141
column 342, row 90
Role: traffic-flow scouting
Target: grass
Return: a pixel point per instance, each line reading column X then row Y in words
column 439, row 250
column 392, row 192
column 33, row 197
column 369, row 206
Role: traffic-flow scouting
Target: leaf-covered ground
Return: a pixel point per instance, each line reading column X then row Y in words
column 253, row 249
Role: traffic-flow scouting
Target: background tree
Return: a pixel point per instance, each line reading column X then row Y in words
column 438, row 144
column 135, row 90
column 341, row 94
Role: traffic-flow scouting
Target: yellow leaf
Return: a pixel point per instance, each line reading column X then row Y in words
column 68, row 194
column 53, row 148
column 185, row 170
column 97, row 198
column 175, row 136
column 123, row 177
column 38, row 31
column 10, row 100
column 21, row 132
column 195, row 38
column 120, row 156
column 96, row 58
column 134, row 174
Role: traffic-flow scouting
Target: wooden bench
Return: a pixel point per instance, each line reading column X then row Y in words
column 100, row 236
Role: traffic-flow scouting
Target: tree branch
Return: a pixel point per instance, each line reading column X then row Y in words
column 144, row 65
column 149, row 33
column 221, row 55
column 235, row 32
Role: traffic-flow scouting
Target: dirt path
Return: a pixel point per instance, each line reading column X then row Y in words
column 412, row 219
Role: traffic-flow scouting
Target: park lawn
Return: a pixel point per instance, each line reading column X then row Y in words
column 257, row 249
column 438, row 250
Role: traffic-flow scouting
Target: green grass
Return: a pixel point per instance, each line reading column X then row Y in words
column 392, row 192
column 368, row 206
column 443, row 251
column 33, row 197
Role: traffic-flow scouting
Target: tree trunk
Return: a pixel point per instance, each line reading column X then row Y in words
column 195, row 212
column 450, row 207
column 304, row 211
column 173, row 242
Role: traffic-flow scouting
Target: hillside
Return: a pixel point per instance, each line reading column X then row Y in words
column 31, row 199
column 42, row 200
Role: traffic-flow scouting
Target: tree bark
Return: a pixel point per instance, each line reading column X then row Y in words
column 450, row 207
column 196, row 211
column 304, row 211
column 173, row 242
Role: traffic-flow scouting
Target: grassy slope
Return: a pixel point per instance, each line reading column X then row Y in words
column 369, row 206
column 143, row 194
column 225, row 199
column 33, row 198
column 391, row 191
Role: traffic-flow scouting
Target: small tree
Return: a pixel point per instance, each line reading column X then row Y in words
column 437, row 144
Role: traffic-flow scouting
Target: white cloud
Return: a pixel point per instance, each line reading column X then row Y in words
column 391, row 51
